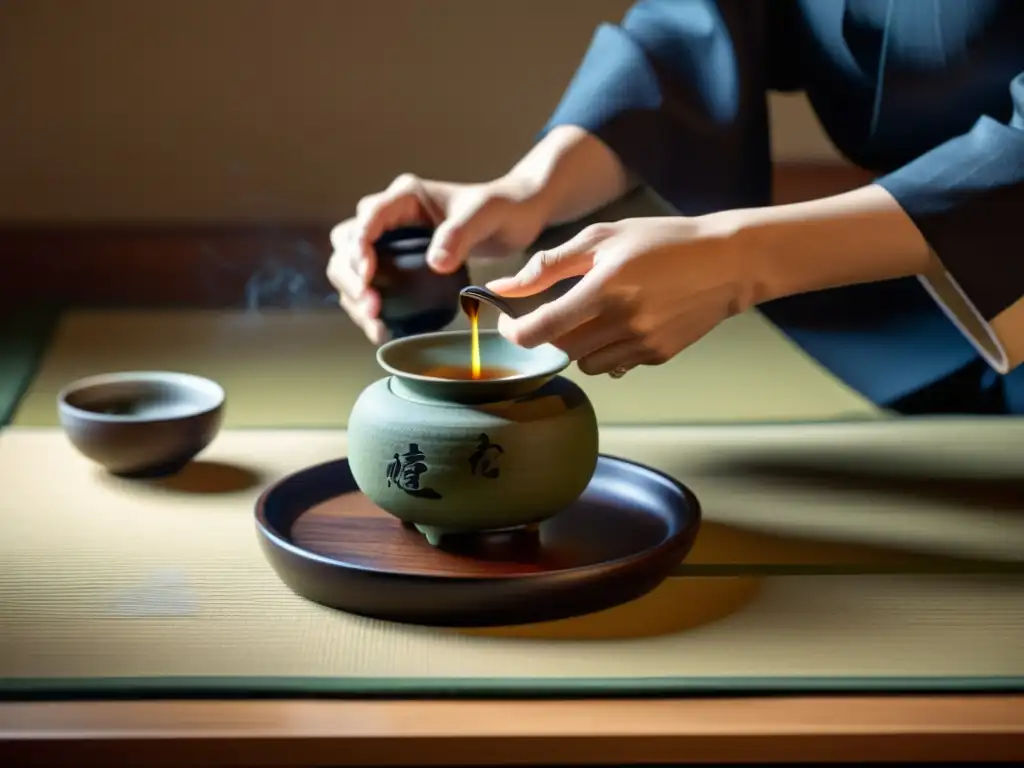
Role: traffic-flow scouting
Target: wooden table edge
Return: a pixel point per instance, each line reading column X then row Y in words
column 465, row 732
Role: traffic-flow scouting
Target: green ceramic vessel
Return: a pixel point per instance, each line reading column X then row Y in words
column 448, row 455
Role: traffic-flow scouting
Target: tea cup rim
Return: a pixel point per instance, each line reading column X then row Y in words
column 547, row 370
column 209, row 388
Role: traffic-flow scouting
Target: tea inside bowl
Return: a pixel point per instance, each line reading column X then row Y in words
column 448, row 355
column 440, row 364
column 462, row 373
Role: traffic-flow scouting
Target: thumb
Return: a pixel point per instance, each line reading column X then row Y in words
column 545, row 268
column 458, row 234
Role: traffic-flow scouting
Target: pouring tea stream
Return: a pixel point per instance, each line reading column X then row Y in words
column 471, row 296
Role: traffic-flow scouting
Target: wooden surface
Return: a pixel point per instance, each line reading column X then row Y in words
column 352, row 529
column 363, row 733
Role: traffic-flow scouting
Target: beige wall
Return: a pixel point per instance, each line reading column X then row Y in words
column 288, row 109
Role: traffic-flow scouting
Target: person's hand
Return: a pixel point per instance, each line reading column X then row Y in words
column 650, row 288
column 496, row 217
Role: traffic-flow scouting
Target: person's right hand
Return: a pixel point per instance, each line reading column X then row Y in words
column 496, row 217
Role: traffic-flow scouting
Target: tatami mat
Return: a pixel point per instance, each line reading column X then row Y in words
column 302, row 369
column 871, row 555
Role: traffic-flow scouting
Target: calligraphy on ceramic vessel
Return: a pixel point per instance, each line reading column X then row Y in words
column 405, row 471
column 485, row 458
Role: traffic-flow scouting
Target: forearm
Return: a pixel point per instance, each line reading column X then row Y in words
column 856, row 237
column 572, row 174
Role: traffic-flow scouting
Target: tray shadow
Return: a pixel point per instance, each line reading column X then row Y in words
column 900, row 505
column 849, row 475
column 679, row 604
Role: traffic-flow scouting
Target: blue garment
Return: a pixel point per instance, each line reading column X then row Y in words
column 918, row 91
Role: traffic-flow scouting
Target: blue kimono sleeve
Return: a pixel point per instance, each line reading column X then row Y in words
column 966, row 197
column 678, row 92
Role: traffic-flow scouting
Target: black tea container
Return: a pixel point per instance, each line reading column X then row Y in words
column 414, row 298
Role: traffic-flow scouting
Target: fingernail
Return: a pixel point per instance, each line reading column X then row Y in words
column 437, row 259
column 500, row 283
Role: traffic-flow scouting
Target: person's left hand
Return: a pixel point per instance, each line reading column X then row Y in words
column 651, row 287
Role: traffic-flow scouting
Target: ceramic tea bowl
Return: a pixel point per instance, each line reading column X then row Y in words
column 450, row 455
column 141, row 423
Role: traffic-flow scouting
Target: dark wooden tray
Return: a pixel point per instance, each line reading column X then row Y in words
column 329, row 543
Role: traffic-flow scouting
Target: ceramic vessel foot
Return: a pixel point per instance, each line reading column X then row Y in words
column 433, row 534
column 436, row 535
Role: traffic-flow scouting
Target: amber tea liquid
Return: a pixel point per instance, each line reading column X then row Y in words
column 476, row 371
column 459, row 373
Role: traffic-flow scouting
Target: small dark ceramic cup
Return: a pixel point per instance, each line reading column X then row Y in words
column 141, row 423
column 414, row 298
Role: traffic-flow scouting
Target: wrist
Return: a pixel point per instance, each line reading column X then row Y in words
column 530, row 195
column 571, row 174
column 857, row 237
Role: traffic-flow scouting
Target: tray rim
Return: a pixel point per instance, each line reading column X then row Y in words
column 686, row 532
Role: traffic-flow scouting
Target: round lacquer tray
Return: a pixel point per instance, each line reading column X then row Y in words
column 624, row 535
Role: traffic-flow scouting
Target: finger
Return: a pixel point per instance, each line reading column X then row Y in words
column 376, row 332
column 354, row 311
column 359, row 244
column 372, row 328
column 592, row 336
column 402, row 204
column 341, row 234
column 625, row 354
column 344, row 278
column 545, row 268
column 557, row 318
column 363, row 308
column 458, row 234
column 348, row 254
